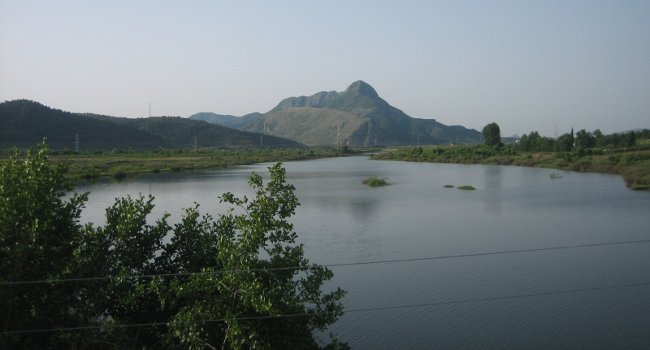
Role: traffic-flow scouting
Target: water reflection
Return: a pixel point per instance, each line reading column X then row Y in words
column 493, row 179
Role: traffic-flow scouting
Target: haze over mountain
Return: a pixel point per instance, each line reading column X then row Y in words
column 354, row 117
column 25, row 123
column 229, row 121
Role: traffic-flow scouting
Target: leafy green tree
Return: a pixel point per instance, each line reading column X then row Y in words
column 644, row 134
column 565, row 142
column 599, row 138
column 628, row 139
column 239, row 281
column 39, row 236
column 584, row 140
column 492, row 134
column 524, row 143
column 534, row 142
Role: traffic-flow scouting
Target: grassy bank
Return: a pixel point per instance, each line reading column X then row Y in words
column 632, row 163
column 123, row 164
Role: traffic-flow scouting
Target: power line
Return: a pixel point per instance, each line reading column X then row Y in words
column 388, row 261
column 367, row 309
column 500, row 252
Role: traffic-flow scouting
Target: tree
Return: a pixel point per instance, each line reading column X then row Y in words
column 564, row 143
column 599, row 138
column 492, row 134
column 235, row 282
column 629, row 139
column 39, row 235
column 584, row 140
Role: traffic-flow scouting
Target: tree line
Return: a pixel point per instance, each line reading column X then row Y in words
column 581, row 142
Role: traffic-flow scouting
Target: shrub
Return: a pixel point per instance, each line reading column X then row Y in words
column 374, row 181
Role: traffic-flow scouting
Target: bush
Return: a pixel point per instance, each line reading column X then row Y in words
column 374, row 181
column 242, row 269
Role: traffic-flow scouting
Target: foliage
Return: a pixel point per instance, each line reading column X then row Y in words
column 492, row 134
column 119, row 164
column 443, row 154
column 565, row 142
column 466, row 188
column 534, row 142
column 374, row 181
column 202, row 283
column 627, row 154
column 39, row 237
column 585, row 140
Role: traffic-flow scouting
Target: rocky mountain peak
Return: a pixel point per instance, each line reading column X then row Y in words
column 362, row 88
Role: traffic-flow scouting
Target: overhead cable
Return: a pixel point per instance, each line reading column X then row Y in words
column 334, row 265
column 366, row 309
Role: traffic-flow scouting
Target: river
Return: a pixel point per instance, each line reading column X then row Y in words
column 471, row 291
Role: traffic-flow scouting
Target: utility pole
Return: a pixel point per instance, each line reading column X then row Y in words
column 261, row 141
column 194, row 143
column 76, row 143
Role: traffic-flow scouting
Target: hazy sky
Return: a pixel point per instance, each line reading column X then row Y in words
column 527, row 65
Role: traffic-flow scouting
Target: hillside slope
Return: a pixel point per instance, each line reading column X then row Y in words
column 24, row 123
column 182, row 133
column 229, row 121
column 312, row 126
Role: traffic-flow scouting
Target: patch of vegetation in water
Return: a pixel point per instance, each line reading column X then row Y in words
column 449, row 186
column 466, row 188
column 374, row 181
column 555, row 176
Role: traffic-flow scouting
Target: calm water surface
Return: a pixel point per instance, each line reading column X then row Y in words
column 340, row 220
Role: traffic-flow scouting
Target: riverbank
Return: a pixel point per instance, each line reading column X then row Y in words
column 633, row 163
column 123, row 164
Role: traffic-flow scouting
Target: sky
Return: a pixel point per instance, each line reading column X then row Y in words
column 526, row 65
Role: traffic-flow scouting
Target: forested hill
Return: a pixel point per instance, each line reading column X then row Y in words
column 25, row 123
column 355, row 117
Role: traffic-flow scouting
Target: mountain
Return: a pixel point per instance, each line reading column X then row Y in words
column 180, row 132
column 355, row 117
column 229, row 121
column 25, row 123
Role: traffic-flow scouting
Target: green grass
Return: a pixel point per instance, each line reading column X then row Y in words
column 119, row 165
column 374, row 181
column 466, row 188
column 632, row 163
